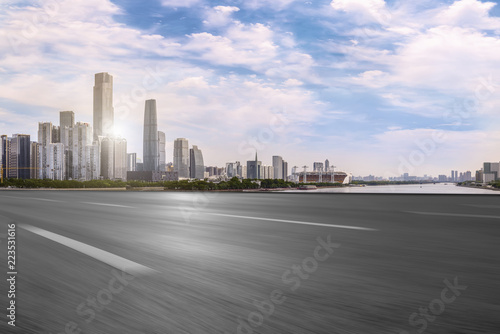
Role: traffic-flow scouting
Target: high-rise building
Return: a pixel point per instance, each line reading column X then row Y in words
column 103, row 106
column 93, row 164
column 131, row 162
column 56, row 134
column 114, row 158
column 66, row 122
column 327, row 165
column 150, row 144
column 66, row 119
column 5, row 155
column 44, row 140
column 181, row 157
column 19, row 157
column 34, row 159
column 278, row 167
column 285, row 170
column 81, row 138
column 161, row 151
column 253, row 168
column 52, row 164
column 196, row 166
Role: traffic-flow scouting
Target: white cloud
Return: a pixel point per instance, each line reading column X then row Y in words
column 364, row 10
column 220, row 15
column 293, row 82
column 469, row 13
column 274, row 4
column 180, row 3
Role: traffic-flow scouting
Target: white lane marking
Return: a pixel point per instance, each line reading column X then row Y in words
column 297, row 222
column 96, row 253
column 114, row 205
column 484, row 206
column 452, row 214
column 35, row 198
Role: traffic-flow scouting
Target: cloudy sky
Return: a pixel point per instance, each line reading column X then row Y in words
column 377, row 87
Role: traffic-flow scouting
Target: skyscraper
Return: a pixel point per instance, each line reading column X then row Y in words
column 196, row 166
column 254, row 168
column 278, row 167
column 66, row 119
column 285, row 170
column 103, row 105
column 181, row 157
column 161, row 151
column 327, row 165
column 113, row 158
column 82, row 137
column 150, row 143
column 131, row 162
column 5, row 155
column 44, row 140
column 19, row 157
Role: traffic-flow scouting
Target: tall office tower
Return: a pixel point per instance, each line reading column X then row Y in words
column 267, row 172
column 161, row 151
column 66, row 119
column 5, row 155
column 318, row 166
column 327, row 165
column 285, row 170
column 56, row 134
column 114, row 158
column 278, row 167
column 253, row 168
column 196, row 167
column 44, row 140
column 34, row 159
column 456, row 175
column 66, row 122
column 103, row 106
column 150, row 152
column 54, row 165
column 181, row 157
column 93, row 162
column 244, row 172
column 19, row 157
column 120, row 159
column 81, row 135
column 131, row 162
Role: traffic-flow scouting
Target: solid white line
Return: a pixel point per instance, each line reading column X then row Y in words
column 104, row 204
column 453, row 214
column 96, row 253
column 297, row 222
column 35, row 198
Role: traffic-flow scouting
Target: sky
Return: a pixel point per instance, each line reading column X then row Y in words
column 377, row 87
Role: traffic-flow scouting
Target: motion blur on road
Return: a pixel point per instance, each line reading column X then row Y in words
column 254, row 263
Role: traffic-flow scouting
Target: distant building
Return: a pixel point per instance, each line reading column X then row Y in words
column 277, row 167
column 327, row 165
column 318, row 167
column 17, row 156
column 34, row 159
column 161, row 151
column 150, row 146
column 56, row 134
column 103, row 106
column 285, row 170
column 196, row 167
column 330, row 177
column 181, row 157
column 253, row 168
column 131, row 162
column 152, row 176
column 52, row 161
column 5, row 149
column 113, row 158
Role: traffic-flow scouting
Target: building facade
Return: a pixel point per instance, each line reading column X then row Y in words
column 196, row 166
column 150, row 140
column 181, row 157
column 103, row 106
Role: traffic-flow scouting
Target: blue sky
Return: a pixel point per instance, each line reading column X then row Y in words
column 380, row 87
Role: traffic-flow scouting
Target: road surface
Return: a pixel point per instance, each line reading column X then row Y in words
column 181, row 262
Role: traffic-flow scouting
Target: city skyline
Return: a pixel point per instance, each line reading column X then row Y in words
column 359, row 81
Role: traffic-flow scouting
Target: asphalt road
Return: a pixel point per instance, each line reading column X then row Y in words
column 168, row 262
